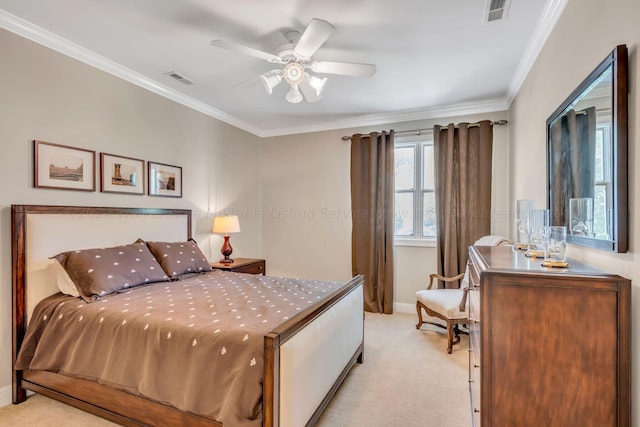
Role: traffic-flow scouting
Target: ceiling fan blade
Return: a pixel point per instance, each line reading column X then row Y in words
column 245, row 50
column 317, row 32
column 309, row 92
column 344, row 68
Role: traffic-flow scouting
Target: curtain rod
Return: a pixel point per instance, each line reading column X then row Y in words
column 600, row 110
column 419, row 131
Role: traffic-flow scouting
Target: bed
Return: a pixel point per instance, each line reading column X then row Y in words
column 304, row 357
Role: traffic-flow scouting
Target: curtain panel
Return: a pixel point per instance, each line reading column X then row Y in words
column 372, row 197
column 573, row 143
column 463, row 156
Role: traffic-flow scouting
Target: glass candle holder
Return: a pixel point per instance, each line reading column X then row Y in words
column 581, row 216
column 556, row 244
column 538, row 223
column 523, row 216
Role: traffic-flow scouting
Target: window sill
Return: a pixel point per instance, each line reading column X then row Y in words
column 423, row 243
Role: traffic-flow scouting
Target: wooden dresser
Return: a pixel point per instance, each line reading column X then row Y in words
column 548, row 347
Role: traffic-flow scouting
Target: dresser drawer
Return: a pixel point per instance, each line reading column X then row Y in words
column 255, row 268
column 243, row 265
column 473, row 302
column 474, row 391
column 474, row 275
column 474, row 341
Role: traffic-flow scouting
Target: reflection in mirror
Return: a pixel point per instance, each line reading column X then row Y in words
column 587, row 158
column 580, row 140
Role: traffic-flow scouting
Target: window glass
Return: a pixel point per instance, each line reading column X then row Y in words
column 428, row 214
column 427, row 170
column 600, row 214
column 599, row 172
column 404, row 214
column 405, row 167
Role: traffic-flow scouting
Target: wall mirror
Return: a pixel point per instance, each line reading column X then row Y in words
column 587, row 158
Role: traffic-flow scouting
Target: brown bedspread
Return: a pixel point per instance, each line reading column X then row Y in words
column 196, row 344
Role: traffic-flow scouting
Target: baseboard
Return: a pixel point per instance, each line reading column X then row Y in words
column 5, row 396
column 403, row 307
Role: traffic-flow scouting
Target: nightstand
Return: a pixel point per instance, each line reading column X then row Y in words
column 243, row 265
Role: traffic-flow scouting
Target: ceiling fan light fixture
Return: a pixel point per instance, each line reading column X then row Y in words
column 296, row 60
column 294, row 73
column 270, row 80
column 317, row 84
column 294, row 96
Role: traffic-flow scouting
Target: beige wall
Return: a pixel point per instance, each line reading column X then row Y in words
column 307, row 199
column 585, row 33
column 48, row 96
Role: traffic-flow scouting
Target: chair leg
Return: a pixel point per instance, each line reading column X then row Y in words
column 453, row 333
column 450, row 334
column 419, row 310
column 456, row 333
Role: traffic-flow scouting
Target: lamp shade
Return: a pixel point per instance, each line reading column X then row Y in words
column 317, row 83
column 294, row 96
column 271, row 80
column 226, row 224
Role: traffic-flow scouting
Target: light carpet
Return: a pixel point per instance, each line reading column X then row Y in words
column 407, row 379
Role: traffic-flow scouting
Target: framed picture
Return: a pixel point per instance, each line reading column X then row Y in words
column 165, row 180
column 63, row 167
column 119, row 174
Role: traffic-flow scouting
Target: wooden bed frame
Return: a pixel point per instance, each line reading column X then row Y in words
column 131, row 410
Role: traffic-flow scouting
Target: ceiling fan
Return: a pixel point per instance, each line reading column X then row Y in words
column 297, row 64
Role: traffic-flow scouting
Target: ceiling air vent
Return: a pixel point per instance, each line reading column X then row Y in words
column 496, row 10
column 179, row 77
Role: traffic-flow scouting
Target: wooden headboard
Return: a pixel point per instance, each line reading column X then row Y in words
column 40, row 232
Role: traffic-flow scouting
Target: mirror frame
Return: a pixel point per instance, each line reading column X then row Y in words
column 617, row 59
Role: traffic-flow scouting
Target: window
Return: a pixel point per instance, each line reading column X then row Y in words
column 603, row 192
column 415, row 203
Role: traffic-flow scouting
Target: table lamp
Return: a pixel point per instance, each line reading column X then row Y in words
column 224, row 225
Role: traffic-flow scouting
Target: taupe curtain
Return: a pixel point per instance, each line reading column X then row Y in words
column 573, row 143
column 372, row 196
column 462, row 156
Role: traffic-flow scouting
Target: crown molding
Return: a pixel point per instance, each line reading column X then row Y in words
column 41, row 36
column 385, row 119
column 545, row 25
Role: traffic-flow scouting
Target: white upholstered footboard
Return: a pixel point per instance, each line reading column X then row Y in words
column 313, row 359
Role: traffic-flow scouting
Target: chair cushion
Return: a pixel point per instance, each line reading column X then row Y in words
column 493, row 240
column 443, row 301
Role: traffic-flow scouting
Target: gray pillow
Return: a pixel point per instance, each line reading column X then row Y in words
column 178, row 258
column 99, row 272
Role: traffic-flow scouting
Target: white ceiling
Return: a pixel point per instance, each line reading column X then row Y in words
column 434, row 58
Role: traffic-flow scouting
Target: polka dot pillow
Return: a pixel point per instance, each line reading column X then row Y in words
column 178, row 258
column 103, row 271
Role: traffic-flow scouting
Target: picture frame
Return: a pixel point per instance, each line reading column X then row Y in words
column 164, row 180
column 63, row 167
column 121, row 174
